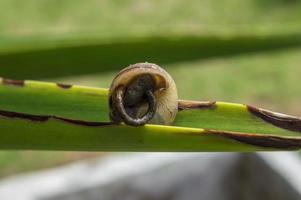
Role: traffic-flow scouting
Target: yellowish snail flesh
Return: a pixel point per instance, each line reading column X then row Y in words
column 143, row 93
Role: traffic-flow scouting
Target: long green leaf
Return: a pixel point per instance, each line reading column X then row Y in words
column 37, row 115
column 85, row 58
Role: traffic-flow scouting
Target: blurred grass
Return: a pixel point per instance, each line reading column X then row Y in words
column 70, row 19
column 13, row 162
column 54, row 38
column 63, row 38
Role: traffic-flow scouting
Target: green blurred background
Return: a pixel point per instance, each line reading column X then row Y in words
column 238, row 51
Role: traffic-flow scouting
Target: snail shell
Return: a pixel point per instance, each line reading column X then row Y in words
column 143, row 93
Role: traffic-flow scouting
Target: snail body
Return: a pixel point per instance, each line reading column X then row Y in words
column 143, row 93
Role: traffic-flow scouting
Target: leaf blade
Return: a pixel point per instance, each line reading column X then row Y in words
column 46, row 116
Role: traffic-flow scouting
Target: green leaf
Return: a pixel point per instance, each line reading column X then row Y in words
column 37, row 115
column 103, row 56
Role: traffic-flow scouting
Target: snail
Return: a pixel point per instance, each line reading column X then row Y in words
column 143, row 93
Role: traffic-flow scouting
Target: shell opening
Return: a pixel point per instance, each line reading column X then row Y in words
column 143, row 93
column 126, row 112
